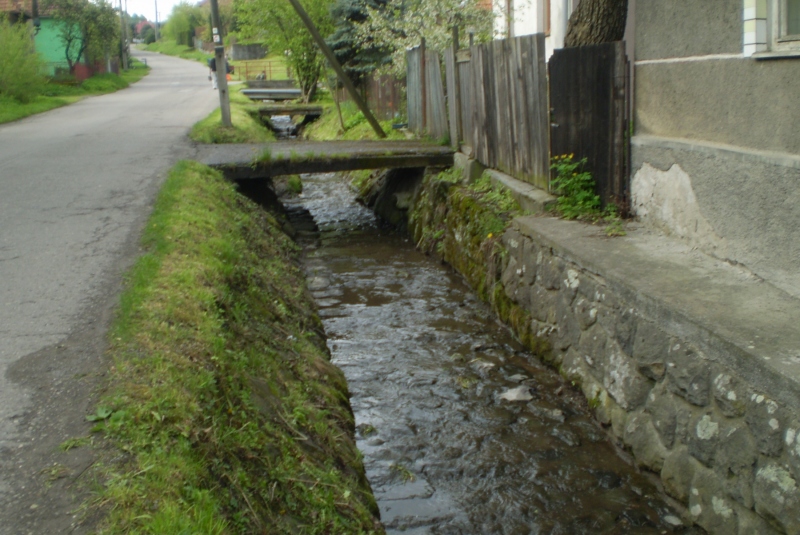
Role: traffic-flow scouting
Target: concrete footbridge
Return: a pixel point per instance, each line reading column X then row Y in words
column 254, row 161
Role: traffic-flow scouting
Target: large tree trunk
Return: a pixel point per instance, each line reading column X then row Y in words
column 597, row 21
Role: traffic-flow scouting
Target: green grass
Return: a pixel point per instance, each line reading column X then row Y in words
column 247, row 128
column 223, row 413
column 57, row 95
column 328, row 127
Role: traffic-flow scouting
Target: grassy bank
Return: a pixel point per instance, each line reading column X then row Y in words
column 56, row 95
column 356, row 127
column 247, row 127
column 223, row 412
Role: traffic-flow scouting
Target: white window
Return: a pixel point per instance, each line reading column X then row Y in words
column 784, row 27
column 771, row 28
column 790, row 21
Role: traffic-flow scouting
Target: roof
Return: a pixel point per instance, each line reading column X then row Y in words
column 15, row 6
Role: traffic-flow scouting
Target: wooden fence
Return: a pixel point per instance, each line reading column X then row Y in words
column 427, row 111
column 500, row 107
column 384, row 95
column 589, row 95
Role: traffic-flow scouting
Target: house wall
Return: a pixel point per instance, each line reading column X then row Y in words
column 716, row 150
column 49, row 45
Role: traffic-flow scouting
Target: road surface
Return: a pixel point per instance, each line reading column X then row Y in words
column 76, row 186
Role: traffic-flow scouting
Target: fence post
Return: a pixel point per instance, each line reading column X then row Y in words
column 456, row 96
column 423, row 86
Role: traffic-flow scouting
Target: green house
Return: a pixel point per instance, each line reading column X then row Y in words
column 47, row 39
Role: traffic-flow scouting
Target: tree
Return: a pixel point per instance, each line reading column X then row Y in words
column 357, row 60
column 402, row 25
column 597, row 21
column 87, row 29
column 279, row 28
column 182, row 22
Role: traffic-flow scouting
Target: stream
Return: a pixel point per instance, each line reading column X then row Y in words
column 429, row 370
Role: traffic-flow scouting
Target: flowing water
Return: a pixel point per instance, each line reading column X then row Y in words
column 426, row 364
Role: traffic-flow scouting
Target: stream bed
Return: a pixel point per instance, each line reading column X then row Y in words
column 462, row 431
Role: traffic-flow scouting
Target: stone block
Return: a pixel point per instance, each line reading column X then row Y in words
column 688, row 374
column 592, row 347
column 792, row 448
column 709, row 506
column 543, row 304
column 704, row 437
column 663, row 410
column 512, row 274
column 766, row 423
column 650, row 349
column 643, row 440
column 513, row 242
column 551, row 272
column 586, row 312
column 623, row 382
column 777, row 498
column 625, row 329
column 567, row 324
column 530, row 250
column 752, row 524
column 730, row 394
column 571, row 282
column 678, row 473
column 735, row 461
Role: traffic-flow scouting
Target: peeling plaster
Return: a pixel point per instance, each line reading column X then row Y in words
column 665, row 200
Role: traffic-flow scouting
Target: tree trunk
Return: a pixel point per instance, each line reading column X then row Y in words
column 597, row 21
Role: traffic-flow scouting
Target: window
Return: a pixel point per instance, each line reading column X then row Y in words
column 772, row 28
column 791, row 21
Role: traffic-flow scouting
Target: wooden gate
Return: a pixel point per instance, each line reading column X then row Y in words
column 589, row 106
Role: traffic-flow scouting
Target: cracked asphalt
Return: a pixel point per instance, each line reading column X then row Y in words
column 76, row 186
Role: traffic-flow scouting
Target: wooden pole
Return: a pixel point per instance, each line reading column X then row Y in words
column 423, row 85
column 456, row 143
column 348, row 84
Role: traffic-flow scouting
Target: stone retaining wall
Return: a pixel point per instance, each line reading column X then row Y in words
column 724, row 449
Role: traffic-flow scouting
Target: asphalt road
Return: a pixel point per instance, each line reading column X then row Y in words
column 76, row 186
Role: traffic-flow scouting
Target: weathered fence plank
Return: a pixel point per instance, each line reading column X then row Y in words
column 506, row 120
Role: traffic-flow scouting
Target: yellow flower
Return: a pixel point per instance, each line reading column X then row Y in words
column 490, row 235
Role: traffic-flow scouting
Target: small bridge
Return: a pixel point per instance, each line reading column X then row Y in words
column 249, row 161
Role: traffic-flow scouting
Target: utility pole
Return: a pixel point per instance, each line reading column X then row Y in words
column 222, row 71
column 123, row 38
column 156, row 20
column 348, row 84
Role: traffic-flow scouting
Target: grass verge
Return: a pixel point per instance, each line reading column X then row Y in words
column 328, row 126
column 247, row 127
column 57, row 95
column 223, row 413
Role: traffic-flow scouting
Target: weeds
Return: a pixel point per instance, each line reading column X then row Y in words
column 577, row 198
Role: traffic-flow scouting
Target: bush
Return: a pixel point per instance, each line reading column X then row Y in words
column 20, row 66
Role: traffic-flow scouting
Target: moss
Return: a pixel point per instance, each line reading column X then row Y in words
column 223, row 411
column 463, row 225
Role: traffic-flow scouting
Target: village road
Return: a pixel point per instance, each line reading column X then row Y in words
column 76, row 185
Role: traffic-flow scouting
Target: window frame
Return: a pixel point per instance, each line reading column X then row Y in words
column 780, row 39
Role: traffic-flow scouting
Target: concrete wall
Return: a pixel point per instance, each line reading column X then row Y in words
column 667, row 392
column 716, row 150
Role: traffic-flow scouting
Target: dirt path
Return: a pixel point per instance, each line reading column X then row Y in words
column 76, row 185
